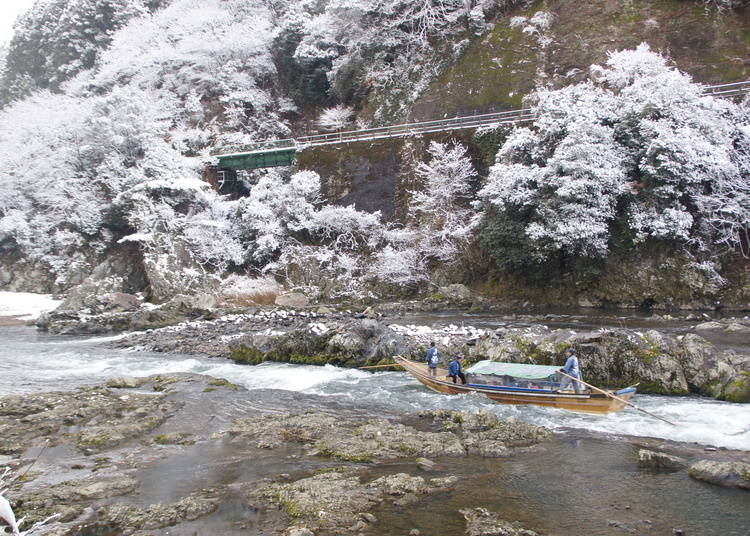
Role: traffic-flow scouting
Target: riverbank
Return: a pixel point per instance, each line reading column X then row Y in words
column 202, row 455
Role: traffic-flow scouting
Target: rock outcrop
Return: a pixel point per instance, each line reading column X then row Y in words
column 726, row 474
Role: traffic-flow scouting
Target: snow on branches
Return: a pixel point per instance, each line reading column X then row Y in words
column 439, row 211
column 639, row 142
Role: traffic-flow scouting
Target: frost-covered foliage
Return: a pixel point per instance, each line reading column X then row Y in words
column 65, row 160
column 728, row 4
column 441, row 219
column 346, row 48
column 213, row 77
column 639, row 144
column 335, row 118
column 111, row 159
column 57, row 39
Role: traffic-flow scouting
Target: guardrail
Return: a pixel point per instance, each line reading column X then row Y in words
column 437, row 125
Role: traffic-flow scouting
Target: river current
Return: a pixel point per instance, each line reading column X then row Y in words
column 32, row 362
column 585, row 480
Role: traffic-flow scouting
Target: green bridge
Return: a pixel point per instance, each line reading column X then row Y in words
column 276, row 153
column 257, row 159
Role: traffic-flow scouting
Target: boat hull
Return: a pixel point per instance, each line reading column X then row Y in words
column 598, row 403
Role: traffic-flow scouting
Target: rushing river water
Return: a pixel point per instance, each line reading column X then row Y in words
column 33, row 362
column 586, row 480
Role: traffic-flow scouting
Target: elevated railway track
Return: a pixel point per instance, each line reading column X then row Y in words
column 274, row 153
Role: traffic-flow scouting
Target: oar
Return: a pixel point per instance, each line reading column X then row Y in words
column 380, row 366
column 617, row 398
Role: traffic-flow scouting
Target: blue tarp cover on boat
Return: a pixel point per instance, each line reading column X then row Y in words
column 517, row 370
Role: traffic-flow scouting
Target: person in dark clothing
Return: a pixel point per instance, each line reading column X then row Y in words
column 432, row 359
column 454, row 369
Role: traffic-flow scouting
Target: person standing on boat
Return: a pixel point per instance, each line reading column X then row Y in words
column 432, row 359
column 454, row 369
column 571, row 369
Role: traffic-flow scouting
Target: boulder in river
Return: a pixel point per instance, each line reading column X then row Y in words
column 727, row 474
column 660, row 460
column 336, row 501
column 482, row 522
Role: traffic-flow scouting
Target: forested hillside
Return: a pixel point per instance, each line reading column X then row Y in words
column 631, row 187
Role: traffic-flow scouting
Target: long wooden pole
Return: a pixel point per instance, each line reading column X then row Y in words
column 617, row 398
column 380, row 366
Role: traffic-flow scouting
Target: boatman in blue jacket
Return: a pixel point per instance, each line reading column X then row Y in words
column 432, row 359
column 454, row 369
column 571, row 369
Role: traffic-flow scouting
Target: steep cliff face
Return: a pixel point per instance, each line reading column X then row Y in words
column 553, row 43
column 560, row 39
column 114, row 158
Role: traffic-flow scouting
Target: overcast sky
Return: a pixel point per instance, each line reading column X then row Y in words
column 9, row 10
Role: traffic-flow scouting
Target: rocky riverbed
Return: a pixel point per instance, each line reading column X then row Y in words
column 204, row 456
column 141, row 454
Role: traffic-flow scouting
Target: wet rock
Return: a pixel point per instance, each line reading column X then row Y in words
column 737, row 389
column 120, row 428
column 705, row 369
column 726, row 474
column 129, row 518
column 82, row 322
column 379, row 439
column 292, row 299
column 424, row 464
column 710, row 326
column 368, row 517
column 660, row 460
column 104, row 417
column 125, row 382
column 482, row 522
column 622, row 526
column 484, row 434
column 330, row 499
column 174, row 438
column 347, row 343
column 736, row 327
column 335, row 501
column 663, row 364
column 66, row 498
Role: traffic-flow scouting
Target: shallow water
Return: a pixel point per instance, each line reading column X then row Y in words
column 574, row 484
column 577, row 486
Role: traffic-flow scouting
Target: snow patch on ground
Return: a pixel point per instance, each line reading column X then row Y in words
column 26, row 305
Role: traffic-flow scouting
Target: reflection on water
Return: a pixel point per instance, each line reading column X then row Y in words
column 575, row 486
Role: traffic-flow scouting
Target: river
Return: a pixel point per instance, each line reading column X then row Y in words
column 588, row 470
column 31, row 361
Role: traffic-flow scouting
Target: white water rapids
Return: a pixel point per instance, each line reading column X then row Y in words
column 34, row 362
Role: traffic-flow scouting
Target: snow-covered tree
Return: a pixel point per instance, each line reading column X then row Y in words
column 335, row 118
column 56, row 39
column 639, row 143
column 440, row 216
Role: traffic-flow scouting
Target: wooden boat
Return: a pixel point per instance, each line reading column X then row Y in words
column 541, row 394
